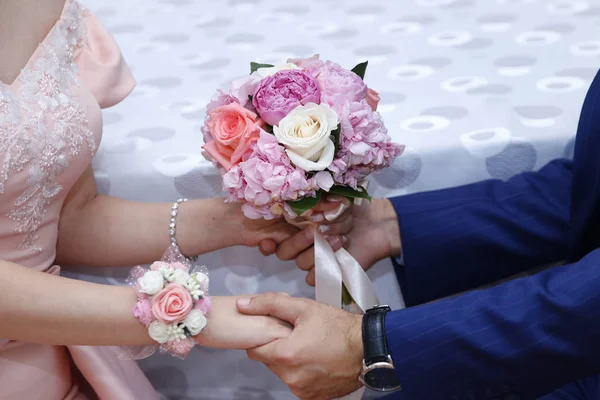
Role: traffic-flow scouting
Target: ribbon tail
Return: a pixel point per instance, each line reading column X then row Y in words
column 357, row 281
column 328, row 274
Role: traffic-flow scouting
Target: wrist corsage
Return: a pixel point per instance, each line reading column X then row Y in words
column 172, row 303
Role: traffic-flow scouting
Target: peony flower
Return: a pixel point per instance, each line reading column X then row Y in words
column 311, row 65
column 151, row 283
column 195, row 322
column 373, row 99
column 143, row 311
column 234, row 130
column 268, row 71
column 280, row 93
column 340, row 86
column 305, row 132
column 172, row 304
column 159, row 331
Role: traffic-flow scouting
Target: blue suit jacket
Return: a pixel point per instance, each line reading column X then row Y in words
column 520, row 339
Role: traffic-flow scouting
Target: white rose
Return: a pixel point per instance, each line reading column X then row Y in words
column 179, row 276
column 159, row 331
column 151, row 283
column 305, row 133
column 195, row 322
column 268, row 71
column 202, row 280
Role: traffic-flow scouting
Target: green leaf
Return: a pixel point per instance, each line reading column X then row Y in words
column 268, row 128
column 346, row 296
column 250, row 97
column 301, row 206
column 335, row 136
column 255, row 66
column 350, row 193
column 361, row 69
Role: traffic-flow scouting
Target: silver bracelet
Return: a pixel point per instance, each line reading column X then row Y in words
column 173, row 225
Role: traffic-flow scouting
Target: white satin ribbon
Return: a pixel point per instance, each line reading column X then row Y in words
column 333, row 269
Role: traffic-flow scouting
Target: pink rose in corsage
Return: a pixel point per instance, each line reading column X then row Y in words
column 282, row 92
column 172, row 304
column 234, row 129
column 143, row 311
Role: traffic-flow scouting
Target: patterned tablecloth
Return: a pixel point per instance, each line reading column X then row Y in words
column 476, row 89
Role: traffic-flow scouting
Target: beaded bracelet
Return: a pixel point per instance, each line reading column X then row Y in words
column 172, row 303
column 173, row 225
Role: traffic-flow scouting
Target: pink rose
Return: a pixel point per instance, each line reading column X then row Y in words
column 172, row 304
column 373, row 99
column 280, row 93
column 143, row 311
column 234, row 129
column 340, row 86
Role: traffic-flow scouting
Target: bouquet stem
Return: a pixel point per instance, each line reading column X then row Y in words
column 346, row 296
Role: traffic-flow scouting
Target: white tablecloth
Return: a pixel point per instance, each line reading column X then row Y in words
column 475, row 89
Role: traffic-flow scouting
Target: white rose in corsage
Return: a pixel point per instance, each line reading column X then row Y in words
column 179, row 277
column 151, row 283
column 195, row 322
column 159, row 331
column 306, row 135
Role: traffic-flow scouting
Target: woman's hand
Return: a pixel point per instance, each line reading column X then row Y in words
column 300, row 246
column 370, row 233
column 229, row 329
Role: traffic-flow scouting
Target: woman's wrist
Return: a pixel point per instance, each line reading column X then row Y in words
column 208, row 225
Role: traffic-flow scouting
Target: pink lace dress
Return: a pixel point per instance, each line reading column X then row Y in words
column 50, row 128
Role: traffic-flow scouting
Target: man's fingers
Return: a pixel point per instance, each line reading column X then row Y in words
column 289, row 249
column 274, row 304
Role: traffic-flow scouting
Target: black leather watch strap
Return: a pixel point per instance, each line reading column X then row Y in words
column 373, row 332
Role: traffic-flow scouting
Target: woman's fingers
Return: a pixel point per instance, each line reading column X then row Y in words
column 290, row 249
column 267, row 247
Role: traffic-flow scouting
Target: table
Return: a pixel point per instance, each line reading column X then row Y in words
column 476, row 89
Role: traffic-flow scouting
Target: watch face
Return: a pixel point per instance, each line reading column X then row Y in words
column 382, row 379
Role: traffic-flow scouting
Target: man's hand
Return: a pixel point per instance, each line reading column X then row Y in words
column 374, row 236
column 322, row 358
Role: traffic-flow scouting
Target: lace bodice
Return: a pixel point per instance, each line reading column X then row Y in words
column 50, row 128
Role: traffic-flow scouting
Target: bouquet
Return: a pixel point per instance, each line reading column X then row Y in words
column 285, row 136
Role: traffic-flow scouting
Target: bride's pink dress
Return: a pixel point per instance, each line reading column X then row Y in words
column 50, row 127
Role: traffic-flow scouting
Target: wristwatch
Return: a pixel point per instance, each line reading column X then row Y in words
column 378, row 368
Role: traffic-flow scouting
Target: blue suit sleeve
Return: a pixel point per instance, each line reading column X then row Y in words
column 461, row 238
column 523, row 338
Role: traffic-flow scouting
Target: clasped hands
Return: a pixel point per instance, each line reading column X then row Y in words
column 321, row 357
